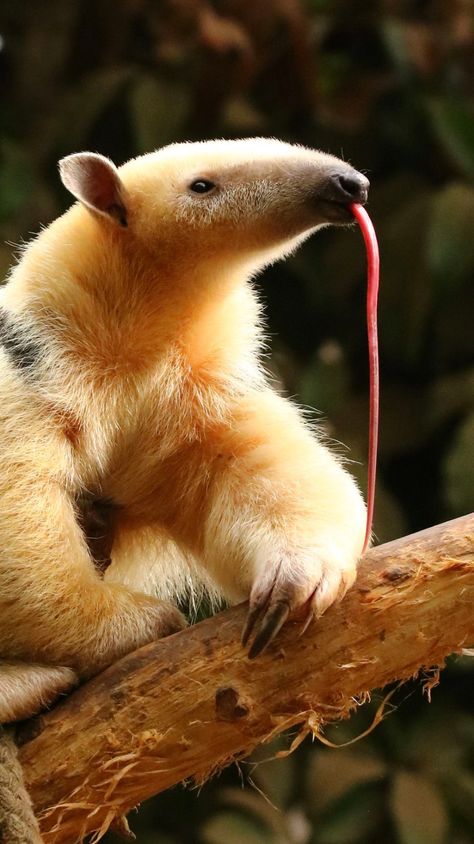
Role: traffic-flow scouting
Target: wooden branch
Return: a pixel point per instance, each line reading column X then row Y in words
column 186, row 706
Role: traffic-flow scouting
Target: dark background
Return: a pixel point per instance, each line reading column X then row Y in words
column 389, row 86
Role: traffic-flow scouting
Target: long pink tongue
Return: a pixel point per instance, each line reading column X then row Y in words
column 373, row 266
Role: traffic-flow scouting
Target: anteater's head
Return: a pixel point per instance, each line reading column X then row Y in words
column 249, row 201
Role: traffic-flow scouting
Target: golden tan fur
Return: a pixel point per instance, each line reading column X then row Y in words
column 148, row 392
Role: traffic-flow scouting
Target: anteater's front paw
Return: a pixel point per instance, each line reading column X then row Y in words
column 157, row 619
column 309, row 582
column 137, row 620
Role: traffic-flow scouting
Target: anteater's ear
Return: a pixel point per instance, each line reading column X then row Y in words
column 94, row 180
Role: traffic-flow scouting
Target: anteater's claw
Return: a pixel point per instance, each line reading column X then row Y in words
column 272, row 622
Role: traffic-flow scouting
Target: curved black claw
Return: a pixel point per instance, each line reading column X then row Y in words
column 252, row 617
column 273, row 621
column 257, row 608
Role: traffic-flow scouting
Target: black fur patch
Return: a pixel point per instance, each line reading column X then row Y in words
column 97, row 519
column 22, row 350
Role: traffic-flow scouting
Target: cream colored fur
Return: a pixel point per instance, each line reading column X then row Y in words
column 150, row 393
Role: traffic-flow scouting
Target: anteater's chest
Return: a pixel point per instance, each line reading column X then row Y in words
column 144, row 445
column 150, row 475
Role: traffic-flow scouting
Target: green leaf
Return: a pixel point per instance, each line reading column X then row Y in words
column 353, row 818
column 403, row 411
column 459, row 792
column 450, row 241
column 276, row 779
column 406, row 287
column 332, row 773
column 325, row 381
column 431, row 742
column 459, row 469
column 85, row 104
column 450, row 396
column 16, row 179
column 232, row 828
column 453, row 121
column 394, row 33
column 256, row 805
column 240, row 115
column 158, row 108
column 418, row 810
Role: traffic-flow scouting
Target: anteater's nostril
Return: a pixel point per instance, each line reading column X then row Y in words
column 352, row 186
column 342, row 186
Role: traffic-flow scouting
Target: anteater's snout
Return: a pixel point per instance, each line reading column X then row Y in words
column 336, row 190
column 346, row 186
column 354, row 186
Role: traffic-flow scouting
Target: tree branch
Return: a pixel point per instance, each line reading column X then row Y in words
column 188, row 705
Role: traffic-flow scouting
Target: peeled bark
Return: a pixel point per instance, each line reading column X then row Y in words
column 188, row 705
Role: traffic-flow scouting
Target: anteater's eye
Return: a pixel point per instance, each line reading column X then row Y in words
column 201, row 186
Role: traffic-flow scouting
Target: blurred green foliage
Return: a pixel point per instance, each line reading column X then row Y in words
column 388, row 84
